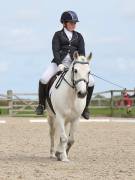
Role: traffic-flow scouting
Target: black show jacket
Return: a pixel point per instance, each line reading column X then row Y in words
column 61, row 45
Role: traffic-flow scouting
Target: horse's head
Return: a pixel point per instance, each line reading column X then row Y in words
column 80, row 74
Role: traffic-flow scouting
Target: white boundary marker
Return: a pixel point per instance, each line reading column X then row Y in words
column 110, row 120
column 95, row 120
column 38, row 121
column 2, row 121
column 91, row 120
column 81, row 120
column 123, row 121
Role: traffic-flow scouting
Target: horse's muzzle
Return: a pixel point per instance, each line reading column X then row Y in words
column 81, row 95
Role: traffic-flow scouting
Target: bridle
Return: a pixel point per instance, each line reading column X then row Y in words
column 75, row 82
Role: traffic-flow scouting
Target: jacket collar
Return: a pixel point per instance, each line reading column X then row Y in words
column 74, row 36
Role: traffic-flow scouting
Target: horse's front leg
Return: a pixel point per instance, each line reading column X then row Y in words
column 61, row 149
column 71, row 140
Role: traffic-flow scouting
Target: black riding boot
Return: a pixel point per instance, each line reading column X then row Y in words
column 42, row 91
column 86, row 113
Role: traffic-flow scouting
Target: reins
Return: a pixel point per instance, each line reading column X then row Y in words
column 75, row 82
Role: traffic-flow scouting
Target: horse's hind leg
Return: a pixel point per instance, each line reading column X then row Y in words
column 52, row 133
column 70, row 142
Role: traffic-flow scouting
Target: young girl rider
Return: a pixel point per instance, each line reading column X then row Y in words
column 64, row 43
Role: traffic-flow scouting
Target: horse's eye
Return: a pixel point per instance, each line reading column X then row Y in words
column 75, row 70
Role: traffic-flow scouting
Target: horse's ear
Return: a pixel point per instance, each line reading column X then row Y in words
column 89, row 57
column 75, row 55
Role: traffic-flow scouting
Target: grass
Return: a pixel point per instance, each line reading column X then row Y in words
column 121, row 112
column 95, row 112
column 100, row 112
column 4, row 112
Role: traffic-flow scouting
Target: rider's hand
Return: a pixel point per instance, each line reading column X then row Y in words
column 61, row 67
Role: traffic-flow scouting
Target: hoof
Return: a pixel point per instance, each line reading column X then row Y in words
column 65, row 160
column 60, row 157
column 52, row 155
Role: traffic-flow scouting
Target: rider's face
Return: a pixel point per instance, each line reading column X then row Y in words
column 70, row 26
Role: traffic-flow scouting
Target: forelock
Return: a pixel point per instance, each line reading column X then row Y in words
column 82, row 58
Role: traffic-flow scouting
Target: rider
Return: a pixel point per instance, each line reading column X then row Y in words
column 64, row 43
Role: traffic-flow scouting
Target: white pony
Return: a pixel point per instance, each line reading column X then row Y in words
column 68, row 101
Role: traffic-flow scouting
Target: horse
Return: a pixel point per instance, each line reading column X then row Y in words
column 68, row 102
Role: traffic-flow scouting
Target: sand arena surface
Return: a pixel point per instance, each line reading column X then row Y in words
column 102, row 151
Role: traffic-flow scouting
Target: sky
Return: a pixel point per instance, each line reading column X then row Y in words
column 27, row 28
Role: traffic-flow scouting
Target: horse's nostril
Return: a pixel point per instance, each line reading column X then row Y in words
column 81, row 95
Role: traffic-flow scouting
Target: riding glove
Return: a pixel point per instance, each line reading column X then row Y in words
column 61, row 67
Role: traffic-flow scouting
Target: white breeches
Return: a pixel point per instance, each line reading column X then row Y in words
column 53, row 69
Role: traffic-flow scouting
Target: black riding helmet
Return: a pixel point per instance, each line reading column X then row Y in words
column 69, row 16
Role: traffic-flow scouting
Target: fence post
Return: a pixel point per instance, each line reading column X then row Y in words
column 111, row 102
column 99, row 102
column 10, row 101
